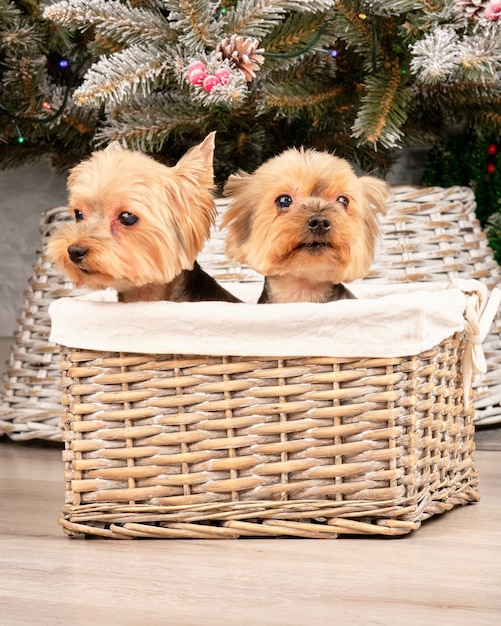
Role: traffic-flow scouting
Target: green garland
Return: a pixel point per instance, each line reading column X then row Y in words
column 474, row 161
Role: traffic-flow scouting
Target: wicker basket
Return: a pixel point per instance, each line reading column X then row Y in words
column 433, row 235
column 428, row 234
column 221, row 446
column 30, row 398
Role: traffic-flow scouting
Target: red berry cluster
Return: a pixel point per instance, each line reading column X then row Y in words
column 197, row 75
column 491, row 163
column 493, row 10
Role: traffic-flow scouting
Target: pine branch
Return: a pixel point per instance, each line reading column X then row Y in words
column 290, row 103
column 21, row 37
column 147, row 124
column 394, row 7
column 350, row 27
column 383, row 111
column 298, row 33
column 494, row 116
column 308, row 87
column 487, row 119
column 9, row 13
column 442, row 8
column 456, row 101
column 13, row 156
column 114, row 22
column 435, row 57
column 444, row 55
column 292, row 43
column 257, row 18
column 479, row 55
column 359, row 104
column 138, row 69
column 194, row 22
column 331, row 137
column 20, row 84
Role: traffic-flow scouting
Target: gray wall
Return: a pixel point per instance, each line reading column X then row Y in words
column 28, row 191
column 24, row 194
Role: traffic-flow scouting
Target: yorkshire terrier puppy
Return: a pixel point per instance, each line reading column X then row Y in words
column 139, row 225
column 305, row 221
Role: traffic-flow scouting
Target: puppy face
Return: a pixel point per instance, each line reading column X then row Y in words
column 304, row 213
column 137, row 222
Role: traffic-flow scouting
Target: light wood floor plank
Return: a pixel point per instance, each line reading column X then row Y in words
column 446, row 573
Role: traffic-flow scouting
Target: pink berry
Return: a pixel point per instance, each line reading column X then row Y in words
column 224, row 75
column 210, row 82
column 493, row 10
column 196, row 65
column 197, row 76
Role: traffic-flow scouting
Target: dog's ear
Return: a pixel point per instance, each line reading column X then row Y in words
column 114, row 145
column 376, row 191
column 207, row 147
column 235, row 183
column 239, row 215
column 197, row 163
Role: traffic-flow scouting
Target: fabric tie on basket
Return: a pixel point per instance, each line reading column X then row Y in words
column 478, row 318
column 385, row 320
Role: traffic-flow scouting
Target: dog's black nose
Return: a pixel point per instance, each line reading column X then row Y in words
column 319, row 224
column 77, row 253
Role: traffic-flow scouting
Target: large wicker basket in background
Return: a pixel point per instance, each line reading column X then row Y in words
column 428, row 234
column 30, row 398
column 433, row 235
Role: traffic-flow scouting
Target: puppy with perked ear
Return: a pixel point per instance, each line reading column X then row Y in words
column 305, row 221
column 140, row 225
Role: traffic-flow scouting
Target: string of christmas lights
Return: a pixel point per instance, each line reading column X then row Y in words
column 64, row 64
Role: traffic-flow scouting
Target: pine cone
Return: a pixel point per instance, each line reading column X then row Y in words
column 474, row 9
column 243, row 54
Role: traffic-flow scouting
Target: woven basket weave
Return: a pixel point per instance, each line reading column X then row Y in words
column 433, row 235
column 30, row 398
column 221, row 447
column 428, row 234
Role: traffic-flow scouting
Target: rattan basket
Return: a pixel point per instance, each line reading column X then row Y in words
column 224, row 445
column 433, row 235
column 429, row 234
column 30, row 399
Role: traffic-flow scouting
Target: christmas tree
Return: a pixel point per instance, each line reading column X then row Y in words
column 471, row 160
column 41, row 64
column 361, row 78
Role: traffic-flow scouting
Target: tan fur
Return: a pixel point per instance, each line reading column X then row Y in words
column 175, row 209
column 278, row 244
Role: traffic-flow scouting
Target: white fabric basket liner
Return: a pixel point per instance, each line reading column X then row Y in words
column 385, row 320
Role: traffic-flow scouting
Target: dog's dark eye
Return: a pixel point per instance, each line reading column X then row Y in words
column 344, row 201
column 78, row 215
column 283, row 202
column 127, row 219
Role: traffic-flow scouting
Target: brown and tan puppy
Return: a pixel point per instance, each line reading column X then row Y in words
column 140, row 225
column 305, row 221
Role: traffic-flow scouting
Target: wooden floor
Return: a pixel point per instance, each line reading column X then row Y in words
column 447, row 572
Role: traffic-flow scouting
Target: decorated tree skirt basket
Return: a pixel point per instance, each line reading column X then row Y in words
column 30, row 398
column 221, row 420
column 429, row 235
